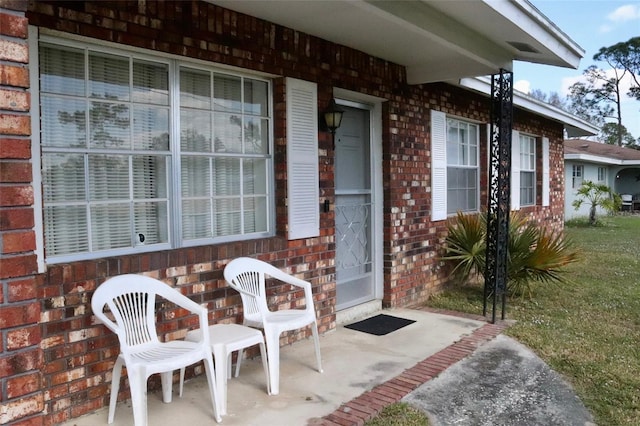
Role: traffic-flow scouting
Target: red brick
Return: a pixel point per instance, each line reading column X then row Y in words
column 18, row 386
column 19, row 5
column 20, row 362
column 31, row 421
column 18, row 242
column 22, row 289
column 17, row 195
column 18, row 218
column 14, row 75
column 17, row 266
column 15, row 172
column 19, row 315
column 18, row 408
column 14, row 148
column 13, row 25
column 12, row 51
column 23, row 337
column 14, row 100
column 16, row 125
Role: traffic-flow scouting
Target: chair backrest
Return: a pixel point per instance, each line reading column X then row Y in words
column 247, row 276
column 131, row 300
column 626, row 198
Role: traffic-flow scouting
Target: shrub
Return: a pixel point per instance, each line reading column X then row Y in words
column 535, row 255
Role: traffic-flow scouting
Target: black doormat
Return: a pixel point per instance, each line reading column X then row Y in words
column 380, row 324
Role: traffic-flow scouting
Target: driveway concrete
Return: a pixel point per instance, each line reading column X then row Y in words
column 502, row 383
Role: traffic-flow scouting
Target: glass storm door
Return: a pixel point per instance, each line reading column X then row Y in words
column 353, row 210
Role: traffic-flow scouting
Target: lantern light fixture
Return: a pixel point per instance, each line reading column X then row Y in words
column 333, row 118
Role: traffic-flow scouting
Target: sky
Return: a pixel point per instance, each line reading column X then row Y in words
column 592, row 24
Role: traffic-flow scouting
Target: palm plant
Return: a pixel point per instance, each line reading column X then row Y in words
column 535, row 255
column 596, row 195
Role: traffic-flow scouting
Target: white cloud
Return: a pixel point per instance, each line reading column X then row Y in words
column 625, row 13
column 523, row 86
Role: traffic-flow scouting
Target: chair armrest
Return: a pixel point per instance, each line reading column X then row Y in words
column 188, row 304
column 290, row 279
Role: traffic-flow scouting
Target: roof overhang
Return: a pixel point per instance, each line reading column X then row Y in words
column 435, row 40
column 590, row 158
column 574, row 126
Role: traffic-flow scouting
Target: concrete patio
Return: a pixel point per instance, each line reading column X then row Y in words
column 354, row 363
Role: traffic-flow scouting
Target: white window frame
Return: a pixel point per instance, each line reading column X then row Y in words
column 526, row 158
column 577, row 176
column 602, row 175
column 468, row 163
column 175, row 239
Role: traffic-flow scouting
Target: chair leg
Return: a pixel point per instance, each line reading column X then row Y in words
column 138, row 387
column 316, row 341
column 265, row 366
column 166, row 379
column 239, row 361
column 181, row 380
column 273, row 350
column 115, row 387
column 215, row 398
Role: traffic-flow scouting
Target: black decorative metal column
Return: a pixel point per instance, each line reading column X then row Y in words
column 495, row 284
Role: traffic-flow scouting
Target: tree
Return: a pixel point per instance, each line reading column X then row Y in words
column 626, row 56
column 599, row 98
column 552, row 98
column 611, row 133
column 596, row 195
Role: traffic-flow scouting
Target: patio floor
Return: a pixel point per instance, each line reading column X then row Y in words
column 361, row 370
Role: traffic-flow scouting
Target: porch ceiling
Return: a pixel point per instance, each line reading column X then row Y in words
column 435, row 40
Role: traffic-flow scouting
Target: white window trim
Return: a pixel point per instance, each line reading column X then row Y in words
column 546, row 166
column 574, row 168
column 515, row 170
column 534, row 171
column 439, row 166
column 36, row 36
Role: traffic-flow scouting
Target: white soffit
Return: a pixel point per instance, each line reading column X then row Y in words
column 435, row 40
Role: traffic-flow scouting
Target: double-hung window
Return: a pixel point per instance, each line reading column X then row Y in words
column 462, row 166
column 602, row 175
column 577, row 176
column 527, row 170
column 143, row 153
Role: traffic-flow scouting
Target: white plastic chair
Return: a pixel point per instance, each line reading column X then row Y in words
column 247, row 276
column 627, row 201
column 131, row 300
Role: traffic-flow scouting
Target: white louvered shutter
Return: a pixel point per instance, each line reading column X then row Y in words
column 515, row 170
column 302, row 159
column 545, row 172
column 438, row 165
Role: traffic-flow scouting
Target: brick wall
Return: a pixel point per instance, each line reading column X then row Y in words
column 62, row 365
column 20, row 353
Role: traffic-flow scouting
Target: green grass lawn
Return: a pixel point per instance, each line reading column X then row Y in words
column 588, row 329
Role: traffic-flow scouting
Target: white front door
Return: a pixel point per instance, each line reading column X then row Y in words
column 354, row 209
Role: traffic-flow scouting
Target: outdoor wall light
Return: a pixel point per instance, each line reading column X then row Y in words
column 333, row 119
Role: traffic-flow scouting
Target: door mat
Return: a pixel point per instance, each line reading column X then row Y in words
column 380, row 324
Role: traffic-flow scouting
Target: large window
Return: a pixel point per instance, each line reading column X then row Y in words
column 143, row 153
column 462, row 166
column 527, row 170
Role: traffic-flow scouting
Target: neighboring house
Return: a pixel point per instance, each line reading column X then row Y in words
column 614, row 166
column 167, row 138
